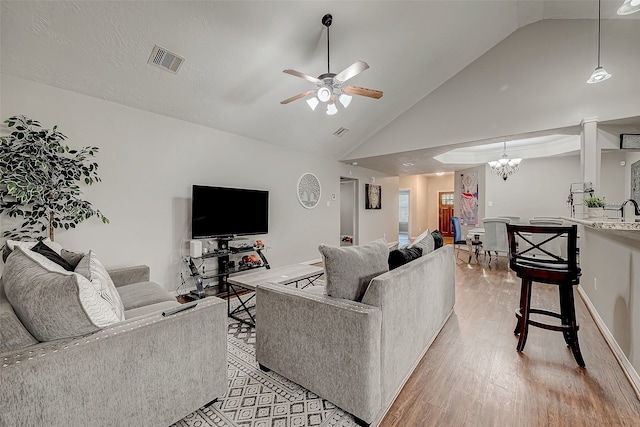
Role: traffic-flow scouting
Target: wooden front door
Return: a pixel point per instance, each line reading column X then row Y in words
column 445, row 212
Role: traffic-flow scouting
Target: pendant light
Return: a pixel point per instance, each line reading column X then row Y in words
column 629, row 7
column 599, row 74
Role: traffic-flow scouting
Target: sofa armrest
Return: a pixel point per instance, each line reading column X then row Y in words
column 330, row 346
column 151, row 370
column 129, row 275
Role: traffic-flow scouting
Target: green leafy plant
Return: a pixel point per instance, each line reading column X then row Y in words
column 594, row 202
column 40, row 179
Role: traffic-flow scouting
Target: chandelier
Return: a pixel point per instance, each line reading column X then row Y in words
column 504, row 167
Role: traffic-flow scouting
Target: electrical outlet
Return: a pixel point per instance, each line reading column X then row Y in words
column 595, row 284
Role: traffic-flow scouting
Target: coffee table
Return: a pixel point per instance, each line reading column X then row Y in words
column 302, row 275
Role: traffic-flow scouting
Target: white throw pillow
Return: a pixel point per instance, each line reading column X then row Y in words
column 27, row 245
column 424, row 241
column 91, row 268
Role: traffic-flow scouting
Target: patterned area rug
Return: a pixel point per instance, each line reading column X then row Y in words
column 262, row 399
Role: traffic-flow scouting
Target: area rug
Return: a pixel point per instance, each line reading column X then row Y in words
column 262, row 399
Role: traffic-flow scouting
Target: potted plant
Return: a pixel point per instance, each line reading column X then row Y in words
column 40, row 180
column 595, row 206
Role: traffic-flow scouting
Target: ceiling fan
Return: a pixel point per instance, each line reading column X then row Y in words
column 330, row 86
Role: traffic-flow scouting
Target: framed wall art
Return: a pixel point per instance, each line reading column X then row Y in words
column 373, row 194
column 309, row 190
column 469, row 199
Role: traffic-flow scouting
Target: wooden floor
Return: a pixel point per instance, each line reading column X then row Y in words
column 473, row 376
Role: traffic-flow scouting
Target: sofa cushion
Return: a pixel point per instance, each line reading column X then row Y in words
column 348, row 270
column 13, row 334
column 424, row 241
column 51, row 255
column 150, row 309
column 91, row 268
column 52, row 303
column 143, row 293
column 438, row 240
column 402, row 256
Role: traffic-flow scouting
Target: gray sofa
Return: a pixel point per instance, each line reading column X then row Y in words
column 357, row 355
column 147, row 370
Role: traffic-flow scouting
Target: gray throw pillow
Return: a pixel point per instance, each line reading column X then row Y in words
column 52, row 303
column 349, row 270
column 13, row 334
column 73, row 258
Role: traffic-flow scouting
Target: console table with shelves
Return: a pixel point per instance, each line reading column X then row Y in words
column 226, row 266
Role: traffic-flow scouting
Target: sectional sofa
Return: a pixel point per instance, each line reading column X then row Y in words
column 145, row 370
column 357, row 353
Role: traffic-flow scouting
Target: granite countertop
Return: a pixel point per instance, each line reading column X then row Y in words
column 613, row 225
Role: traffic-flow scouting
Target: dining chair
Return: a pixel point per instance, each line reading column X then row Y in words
column 495, row 236
column 512, row 219
column 545, row 241
column 457, row 234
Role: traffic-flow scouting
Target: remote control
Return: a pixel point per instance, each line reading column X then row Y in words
column 174, row 310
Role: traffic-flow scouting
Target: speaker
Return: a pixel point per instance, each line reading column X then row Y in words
column 195, row 248
column 630, row 141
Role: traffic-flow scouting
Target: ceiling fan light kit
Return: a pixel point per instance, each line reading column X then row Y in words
column 330, row 86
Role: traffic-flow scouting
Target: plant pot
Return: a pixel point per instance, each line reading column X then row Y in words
column 596, row 213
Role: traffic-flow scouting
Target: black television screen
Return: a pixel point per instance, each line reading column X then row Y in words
column 221, row 211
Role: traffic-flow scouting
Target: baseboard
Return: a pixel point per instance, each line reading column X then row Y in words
column 627, row 367
column 383, row 413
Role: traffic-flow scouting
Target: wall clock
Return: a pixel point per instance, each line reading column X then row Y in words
column 309, row 190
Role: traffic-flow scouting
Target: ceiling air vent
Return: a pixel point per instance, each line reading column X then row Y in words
column 161, row 57
column 340, row 132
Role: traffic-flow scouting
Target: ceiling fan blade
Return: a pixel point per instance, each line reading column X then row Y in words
column 298, row 96
column 362, row 91
column 303, row 76
column 351, row 71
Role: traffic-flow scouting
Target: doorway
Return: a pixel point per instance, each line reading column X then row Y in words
column 403, row 217
column 348, row 211
column 445, row 212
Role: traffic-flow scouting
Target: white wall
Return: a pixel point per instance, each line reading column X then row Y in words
column 148, row 163
column 435, row 185
column 418, row 203
column 610, row 270
column 539, row 188
column 347, row 207
column 612, row 177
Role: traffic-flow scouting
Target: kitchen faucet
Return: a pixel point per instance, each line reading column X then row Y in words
column 635, row 205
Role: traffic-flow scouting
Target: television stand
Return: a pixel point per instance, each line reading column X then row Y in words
column 226, row 266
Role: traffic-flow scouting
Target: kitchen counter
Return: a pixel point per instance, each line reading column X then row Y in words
column 629, row 229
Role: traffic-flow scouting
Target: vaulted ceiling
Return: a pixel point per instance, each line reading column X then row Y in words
column 235, row 52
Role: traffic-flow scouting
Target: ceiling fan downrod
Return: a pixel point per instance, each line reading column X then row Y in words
column 326, row 21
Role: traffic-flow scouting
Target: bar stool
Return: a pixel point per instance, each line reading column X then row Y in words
column 535, row 262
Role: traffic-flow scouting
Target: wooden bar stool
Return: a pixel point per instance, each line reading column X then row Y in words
column 533, row 261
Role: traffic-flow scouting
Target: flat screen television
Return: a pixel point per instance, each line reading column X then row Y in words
column 222, row 212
